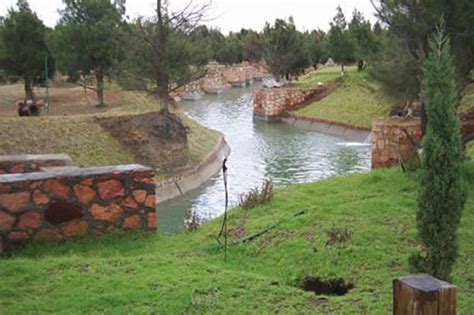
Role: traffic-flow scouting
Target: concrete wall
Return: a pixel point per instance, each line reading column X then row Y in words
column 177, row 186
column 61, row 202
column 393, row 139
column 333, row 128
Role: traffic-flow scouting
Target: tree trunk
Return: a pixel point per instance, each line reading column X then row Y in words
column 100, row 89
column 343, row 72
column 29, row 89
column 163, row 93
column 360, row 65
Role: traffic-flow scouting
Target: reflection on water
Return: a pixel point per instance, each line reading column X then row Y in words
column 260, row 150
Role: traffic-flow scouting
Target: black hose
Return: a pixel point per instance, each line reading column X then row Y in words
column 223, row 231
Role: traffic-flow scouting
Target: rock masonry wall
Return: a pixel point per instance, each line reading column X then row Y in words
column 273, row 102
column 393, row 139
column 62, row 202
column 31, row 163
column 220, row 77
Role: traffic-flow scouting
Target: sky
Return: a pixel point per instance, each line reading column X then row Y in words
column 230, row 15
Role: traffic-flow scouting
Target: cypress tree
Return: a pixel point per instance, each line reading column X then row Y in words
column 441, row 197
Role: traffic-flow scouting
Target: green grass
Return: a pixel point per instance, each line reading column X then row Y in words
column 358, row 101
column 186, row 273
column 71, row 127
column 324, row 75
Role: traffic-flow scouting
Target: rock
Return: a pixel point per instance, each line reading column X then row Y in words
column 57, row 187
column 140, row 195
column 111, row 189
column 150, row 201
column 18, row 236
column 132, row 222
column 84, row 193
column 77, row 227
column 152, row 224
column 129, row 202
column 49, row 234
column 40, row 198
column 108, row 213
column 30, row 220
column 15, row 202
column 6, row 221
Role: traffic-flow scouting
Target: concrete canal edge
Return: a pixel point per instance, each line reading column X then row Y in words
column 177, row 186
column 329, row 127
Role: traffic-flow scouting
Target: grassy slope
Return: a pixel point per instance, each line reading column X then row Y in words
column 357, row 101
column 151, row 273
column 323, row 75
column 79, row 135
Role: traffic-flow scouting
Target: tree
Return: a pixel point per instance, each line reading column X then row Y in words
column 412, row 21
column 365, row 42
column 314, row 47
column 253, row 46
column 231, row 51
column 24, row 49
column 341, row 47
column 441, row 196
column 284, row 48
column 87, row 41
column 161, row 56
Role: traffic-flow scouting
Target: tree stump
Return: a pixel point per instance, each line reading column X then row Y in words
column 423, row 295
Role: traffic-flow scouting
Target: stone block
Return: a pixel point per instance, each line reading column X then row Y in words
column 15, row 202
column 111, row 189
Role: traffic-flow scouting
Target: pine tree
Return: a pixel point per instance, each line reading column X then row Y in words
column 23, row 50
column 441, row 196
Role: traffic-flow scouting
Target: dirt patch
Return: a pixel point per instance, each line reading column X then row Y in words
column 334, row 286
column 337, row 236
column 157, row 140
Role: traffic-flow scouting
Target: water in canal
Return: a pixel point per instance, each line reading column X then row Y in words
column 260, row 150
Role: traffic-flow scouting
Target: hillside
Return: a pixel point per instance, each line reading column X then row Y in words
column 357, row 101
column 73, row 127
column 359, row 227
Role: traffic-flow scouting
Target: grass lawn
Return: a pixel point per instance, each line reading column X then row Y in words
column 151, row 273
column 324, row 75
column 71, row 126
column 358, row 101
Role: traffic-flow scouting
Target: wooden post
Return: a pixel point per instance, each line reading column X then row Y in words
column 423, row 295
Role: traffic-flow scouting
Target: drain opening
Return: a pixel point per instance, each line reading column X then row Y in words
column 61, row 211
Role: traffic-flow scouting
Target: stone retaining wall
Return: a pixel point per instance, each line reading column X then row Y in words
column 63, row 202
column 14, row 164
column 393, row 139
column 220, row 77
column 274, row 102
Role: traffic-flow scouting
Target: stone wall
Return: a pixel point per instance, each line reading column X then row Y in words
column 393, row 139
column 14, row 164
column 274, row 102
column 62, row 202
column 220, row 77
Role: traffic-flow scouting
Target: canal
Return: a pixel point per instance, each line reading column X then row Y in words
column 260, row 150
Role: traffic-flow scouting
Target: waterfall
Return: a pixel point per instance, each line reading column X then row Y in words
column 368, row 140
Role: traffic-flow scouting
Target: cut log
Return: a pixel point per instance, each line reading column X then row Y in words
column 423, row 295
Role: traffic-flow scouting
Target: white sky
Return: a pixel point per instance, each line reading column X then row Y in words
column 230, row 15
